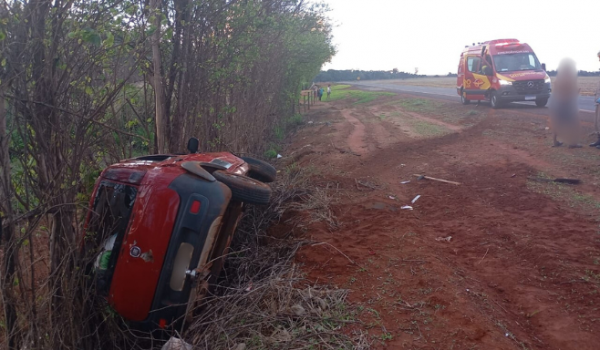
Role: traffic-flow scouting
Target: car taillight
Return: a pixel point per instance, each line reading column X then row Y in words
column 195, row 208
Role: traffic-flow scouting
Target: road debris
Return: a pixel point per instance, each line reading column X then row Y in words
column 176, row 344
column 559, row 180
column 392, row 197
column 405, row 182
column 441, row 239
column 279, row 156
column 416, row 199
column 406, row 207
column 366, row 184
column 421, row 177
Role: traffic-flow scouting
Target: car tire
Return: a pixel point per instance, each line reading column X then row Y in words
column 541, row 102
column 244, row 188
column 260, row 170
column 494, row 101
column 463, row 99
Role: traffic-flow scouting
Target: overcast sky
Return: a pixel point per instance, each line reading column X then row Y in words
column 430, row 34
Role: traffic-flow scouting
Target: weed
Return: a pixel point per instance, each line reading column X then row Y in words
column 374, row 312
column 279, row 133
column 386, row 336
column 296, row 120
column 270, row 153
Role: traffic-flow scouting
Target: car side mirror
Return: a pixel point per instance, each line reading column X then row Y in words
column 544, row 67
column 192, row 145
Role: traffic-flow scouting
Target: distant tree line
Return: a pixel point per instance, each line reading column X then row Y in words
column 581, row 73
column 352, row 74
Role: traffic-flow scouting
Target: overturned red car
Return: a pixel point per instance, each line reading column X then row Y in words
column 159, row 228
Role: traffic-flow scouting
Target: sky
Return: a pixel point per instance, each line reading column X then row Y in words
column 430, row 34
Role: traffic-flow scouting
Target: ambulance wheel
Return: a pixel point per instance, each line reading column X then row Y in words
column 463, row 99
column 260, row 170
column 494, row 101
column 244, row 188
column 541, row 102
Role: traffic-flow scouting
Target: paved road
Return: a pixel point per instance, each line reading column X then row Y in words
column 586, row 103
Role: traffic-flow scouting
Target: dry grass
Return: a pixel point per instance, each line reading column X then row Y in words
column 263, row 301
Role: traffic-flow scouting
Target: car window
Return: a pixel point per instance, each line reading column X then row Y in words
column 473, row 64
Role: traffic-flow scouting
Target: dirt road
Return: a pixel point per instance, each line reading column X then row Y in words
column 498, row 262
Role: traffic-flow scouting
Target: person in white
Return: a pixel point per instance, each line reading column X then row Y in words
column 328, row 91
column 596, row 126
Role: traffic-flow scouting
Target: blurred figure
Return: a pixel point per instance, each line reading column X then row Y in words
column 563, row 108
column 596, row 126
column 328, row 91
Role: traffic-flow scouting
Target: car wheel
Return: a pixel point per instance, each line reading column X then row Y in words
column 494, row 101
column 541, row 102
column 244, row 188
column 463, row 99
column 260, row 170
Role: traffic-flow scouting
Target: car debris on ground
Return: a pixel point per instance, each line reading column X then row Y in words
column 423, row 177
column 176, row 344
column 416, row 199
column 442, row 239
column 559, row 180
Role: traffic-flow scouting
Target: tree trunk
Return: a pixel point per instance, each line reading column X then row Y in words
column 7, row 234
column 159, row 94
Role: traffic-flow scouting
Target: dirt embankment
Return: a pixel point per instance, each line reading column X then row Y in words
column 498, row 262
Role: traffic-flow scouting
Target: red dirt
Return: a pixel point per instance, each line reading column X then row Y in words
column 521, row 270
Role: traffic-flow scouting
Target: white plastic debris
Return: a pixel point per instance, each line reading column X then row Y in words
column 405, row 182
column 279, row 156
column 176, row 344
column 310, row 122
column 391, row 197
column 441, row 239
column 416, row 198
column 406, row 207
column 402, row 165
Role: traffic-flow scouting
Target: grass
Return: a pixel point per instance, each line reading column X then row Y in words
column 360, row 96
column 565, row 194
column 420, row 105
column 428, row 129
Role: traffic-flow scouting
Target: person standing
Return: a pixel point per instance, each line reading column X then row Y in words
column 597, row 121
column 320, row 93
column 328, row 91
column 563, row 109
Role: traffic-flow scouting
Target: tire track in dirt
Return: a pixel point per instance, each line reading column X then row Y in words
column 521, row 270
column 355, row 141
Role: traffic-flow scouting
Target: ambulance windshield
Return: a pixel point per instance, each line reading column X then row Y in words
column 516, row 62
